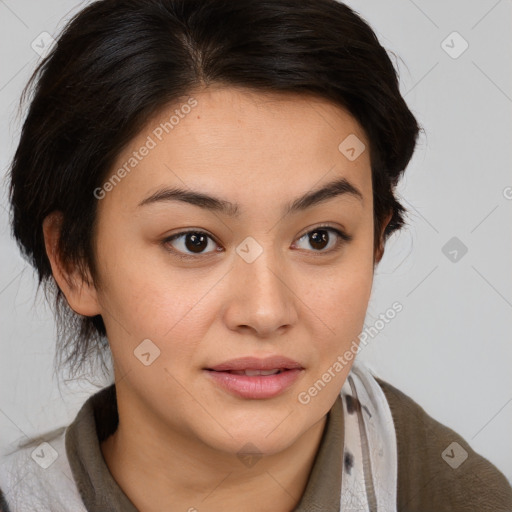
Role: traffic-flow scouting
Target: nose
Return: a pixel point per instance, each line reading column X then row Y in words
column 261, row 297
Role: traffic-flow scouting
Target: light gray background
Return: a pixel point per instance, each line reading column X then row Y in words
column 450, row 348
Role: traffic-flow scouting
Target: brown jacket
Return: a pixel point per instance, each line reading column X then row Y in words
column 426, row 483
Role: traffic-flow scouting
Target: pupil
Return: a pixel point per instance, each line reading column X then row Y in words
column 197, row 241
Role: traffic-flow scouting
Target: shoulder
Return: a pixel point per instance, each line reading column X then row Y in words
column 36, row 476
column 437, row 469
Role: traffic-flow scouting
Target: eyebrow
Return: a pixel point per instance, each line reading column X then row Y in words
column 339, row 187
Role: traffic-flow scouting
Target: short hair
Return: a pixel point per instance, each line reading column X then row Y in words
column 117, row 63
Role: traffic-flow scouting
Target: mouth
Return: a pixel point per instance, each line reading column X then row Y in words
column 268, row 364
column 253, row 373
column 254, row 378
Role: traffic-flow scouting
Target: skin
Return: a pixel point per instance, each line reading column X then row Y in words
column 179, row 434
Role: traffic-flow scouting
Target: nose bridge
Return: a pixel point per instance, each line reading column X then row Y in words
column 261, row 277
column 259, row 262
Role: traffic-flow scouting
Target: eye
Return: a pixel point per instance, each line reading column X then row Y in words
column 193, row 244
column 319, row 239
column 194, row 241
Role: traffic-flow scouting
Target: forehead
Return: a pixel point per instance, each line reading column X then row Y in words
column 251, row 147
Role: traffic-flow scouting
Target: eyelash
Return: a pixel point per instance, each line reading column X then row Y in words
column 342, row 239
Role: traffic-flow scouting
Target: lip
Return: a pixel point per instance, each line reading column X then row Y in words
column 254, row 363
column 255, row 386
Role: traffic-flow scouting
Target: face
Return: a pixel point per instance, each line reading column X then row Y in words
column 190, row 286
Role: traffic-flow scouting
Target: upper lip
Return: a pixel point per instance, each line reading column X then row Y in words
column 254, row 363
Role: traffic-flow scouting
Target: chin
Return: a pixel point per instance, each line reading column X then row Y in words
column 264, row 440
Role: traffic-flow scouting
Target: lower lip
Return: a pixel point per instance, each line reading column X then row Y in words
column 257, row 386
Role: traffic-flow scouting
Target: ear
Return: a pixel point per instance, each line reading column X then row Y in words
column 379, row 252
column 81, row 295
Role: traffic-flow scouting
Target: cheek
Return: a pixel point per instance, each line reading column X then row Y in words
column 165, row 306
column 340, row 301
column 341, row 310
column 158, row 308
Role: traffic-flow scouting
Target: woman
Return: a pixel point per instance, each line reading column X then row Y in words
column 207, row 186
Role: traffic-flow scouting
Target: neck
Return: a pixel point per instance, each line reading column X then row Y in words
column 157, row 472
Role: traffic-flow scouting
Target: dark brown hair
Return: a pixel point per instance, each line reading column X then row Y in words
column 118, row 62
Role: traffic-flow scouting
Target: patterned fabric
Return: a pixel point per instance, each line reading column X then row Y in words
column 37, row 477
column 370, row 466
